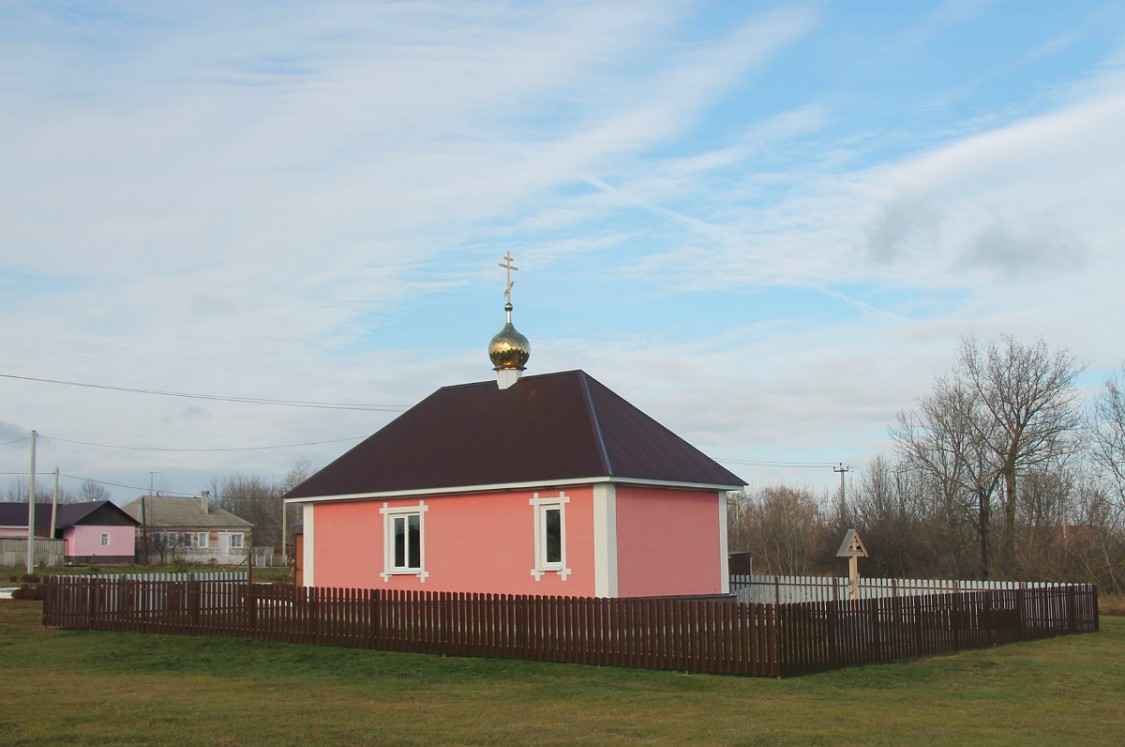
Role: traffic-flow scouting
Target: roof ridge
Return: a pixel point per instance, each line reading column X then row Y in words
column 548, row 375
column 592, row 411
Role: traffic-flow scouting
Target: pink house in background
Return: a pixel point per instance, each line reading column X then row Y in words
column 549, row 484
column 95, row 531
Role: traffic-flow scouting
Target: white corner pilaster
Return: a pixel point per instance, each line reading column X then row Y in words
column 724, row 554
column 309, row 542
column 605, row 540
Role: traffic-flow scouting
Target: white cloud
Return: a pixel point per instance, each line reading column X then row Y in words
column 309, row 204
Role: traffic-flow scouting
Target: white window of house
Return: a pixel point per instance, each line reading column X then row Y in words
column 404, row 541
column 550, row 535
column 105, row 539
column 235, row 542
column 201, row 539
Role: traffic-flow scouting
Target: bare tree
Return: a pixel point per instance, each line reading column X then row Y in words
column 44, row 492
column 1032, row 405
column 782, row 527
column 1006, row 410
column 91, row 491
column 254, row 499
column 907, row 533
column 1107, row 435
column 945, row 441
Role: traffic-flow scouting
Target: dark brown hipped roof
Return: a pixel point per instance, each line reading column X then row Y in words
column 95, row 513
column 554, row 427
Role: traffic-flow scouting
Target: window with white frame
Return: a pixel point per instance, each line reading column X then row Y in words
column 105, row 539
column 550, row 535
column 235, row 542
column 404, row 540
column 196, row 539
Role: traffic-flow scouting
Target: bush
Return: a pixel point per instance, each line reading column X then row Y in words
column 28, row 591
column 30, row 578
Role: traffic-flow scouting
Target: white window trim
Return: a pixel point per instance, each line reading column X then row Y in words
column 105, row 539
column 232, row 538
column 389, row 515
column 203, row 540
column 539, row 507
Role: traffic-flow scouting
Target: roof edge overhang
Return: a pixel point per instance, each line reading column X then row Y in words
column 509, row 487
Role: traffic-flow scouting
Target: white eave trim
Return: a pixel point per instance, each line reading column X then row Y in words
column 508, row 487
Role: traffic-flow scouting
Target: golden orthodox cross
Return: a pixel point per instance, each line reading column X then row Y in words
column 507, row 265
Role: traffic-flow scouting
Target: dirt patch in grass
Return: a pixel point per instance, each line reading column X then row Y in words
column 1111, row 604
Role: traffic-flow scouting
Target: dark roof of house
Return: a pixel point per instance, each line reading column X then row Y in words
column 554, row 427
column 69, row 514
column 170, row 512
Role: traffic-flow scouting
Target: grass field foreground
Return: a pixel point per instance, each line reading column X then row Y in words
column 99, row 688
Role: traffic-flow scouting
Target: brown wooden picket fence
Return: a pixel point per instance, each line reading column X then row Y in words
column 717, row 636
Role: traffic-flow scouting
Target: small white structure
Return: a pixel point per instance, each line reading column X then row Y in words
column 852, row 548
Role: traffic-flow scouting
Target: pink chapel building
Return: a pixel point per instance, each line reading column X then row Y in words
column 548, row 485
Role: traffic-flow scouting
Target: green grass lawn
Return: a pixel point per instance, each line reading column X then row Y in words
column 94, row 688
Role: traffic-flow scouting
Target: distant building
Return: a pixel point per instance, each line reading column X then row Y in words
column 188, row 528
column 94, row 531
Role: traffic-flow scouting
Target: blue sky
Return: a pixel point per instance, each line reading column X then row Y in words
column 769, row 226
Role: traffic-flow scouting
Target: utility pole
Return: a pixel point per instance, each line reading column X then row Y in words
column 284, row 537
column 843, row 504
column 31, row 511
column 55, row 504
column 144, row 516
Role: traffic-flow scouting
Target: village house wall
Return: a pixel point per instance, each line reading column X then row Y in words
column 668, row 542
column 472, row 542
column 658, row 542
column 86, row 541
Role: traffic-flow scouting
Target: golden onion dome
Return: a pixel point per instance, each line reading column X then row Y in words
column 509, row 349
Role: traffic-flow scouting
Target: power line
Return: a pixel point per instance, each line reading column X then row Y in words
column 795, row 465
column 200, row 451
column 15, row 441
column 215, row 397
column 129, row 487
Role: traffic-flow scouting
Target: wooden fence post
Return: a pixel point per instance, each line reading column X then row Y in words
column 1071, row 611
column 251, row 606
column 1021, row 627
column 876, row 629
column 956, row 620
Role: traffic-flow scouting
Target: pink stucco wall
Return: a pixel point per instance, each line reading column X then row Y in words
column 473, row 543
column 84, row 541
column 667, row 542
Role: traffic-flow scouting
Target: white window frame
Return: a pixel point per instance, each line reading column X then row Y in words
column 105, row 539
column 234, row 541
column 203, row 540
column 540, row 507
column 389, row 517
